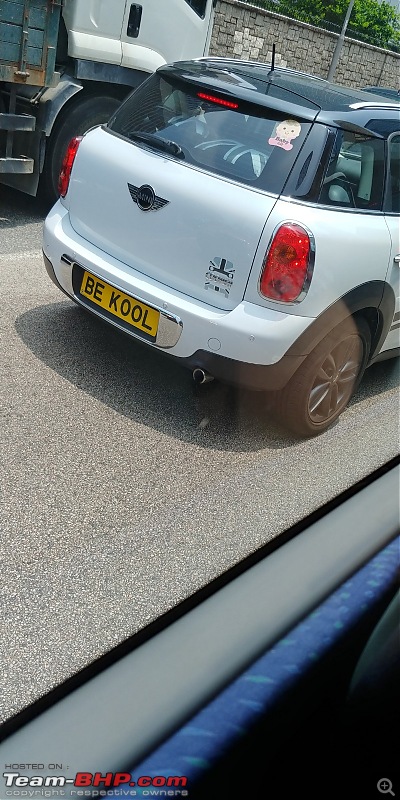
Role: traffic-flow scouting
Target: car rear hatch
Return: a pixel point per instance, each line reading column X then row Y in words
column 189, row 213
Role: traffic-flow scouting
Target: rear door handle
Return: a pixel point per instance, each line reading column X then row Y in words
column 135, row 18
column 397, row 259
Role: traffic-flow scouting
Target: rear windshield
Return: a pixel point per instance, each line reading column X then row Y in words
column 243, row 141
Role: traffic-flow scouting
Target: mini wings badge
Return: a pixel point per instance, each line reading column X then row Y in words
column 146, row 198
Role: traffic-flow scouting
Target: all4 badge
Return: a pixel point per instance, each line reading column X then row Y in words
column 220, row 276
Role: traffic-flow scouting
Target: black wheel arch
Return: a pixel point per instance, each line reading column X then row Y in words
column 373, row 301
column 57, row 104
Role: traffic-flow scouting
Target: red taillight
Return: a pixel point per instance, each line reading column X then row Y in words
column 69, row 158
column 218, row 100
column 286, row 264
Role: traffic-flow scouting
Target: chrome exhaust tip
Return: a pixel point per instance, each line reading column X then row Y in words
column 200, row 376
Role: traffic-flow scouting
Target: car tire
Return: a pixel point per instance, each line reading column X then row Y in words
column 76, row 119
column 322, row 387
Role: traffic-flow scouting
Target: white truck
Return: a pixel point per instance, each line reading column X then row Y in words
column 65, row 65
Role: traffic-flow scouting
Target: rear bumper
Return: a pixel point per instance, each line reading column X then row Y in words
column 258, row 377
column 250, row 345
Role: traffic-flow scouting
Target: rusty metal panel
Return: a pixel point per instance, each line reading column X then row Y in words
column 28, row 41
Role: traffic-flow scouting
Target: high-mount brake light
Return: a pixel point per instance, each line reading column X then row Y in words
column 68, row 161
column 218, row 100
column 287, row 264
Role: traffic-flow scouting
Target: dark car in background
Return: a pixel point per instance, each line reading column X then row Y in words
column 385, row 91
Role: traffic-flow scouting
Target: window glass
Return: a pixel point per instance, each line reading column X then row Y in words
column 199, row 6
column 223, row 136
column 383, row 126
column 355, row 174
column 305, row 178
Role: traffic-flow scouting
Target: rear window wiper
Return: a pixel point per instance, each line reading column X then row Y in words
column 155, row 141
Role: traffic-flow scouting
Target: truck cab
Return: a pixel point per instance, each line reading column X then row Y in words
column 141, row 35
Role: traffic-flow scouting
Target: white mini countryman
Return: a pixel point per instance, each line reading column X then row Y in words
column 244, row 220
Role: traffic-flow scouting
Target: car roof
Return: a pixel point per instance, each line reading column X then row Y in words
column 286, row 90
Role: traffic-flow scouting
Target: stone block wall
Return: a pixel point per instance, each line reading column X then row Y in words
column 245, row 31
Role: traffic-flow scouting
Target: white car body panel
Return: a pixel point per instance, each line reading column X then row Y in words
column 206, row 219
column 248, row 333
column 341, row 237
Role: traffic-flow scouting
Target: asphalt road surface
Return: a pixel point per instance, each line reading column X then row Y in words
column 122, row 489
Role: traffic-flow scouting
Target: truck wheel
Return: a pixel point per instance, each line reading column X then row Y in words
column 321, row 388
column 74, row 120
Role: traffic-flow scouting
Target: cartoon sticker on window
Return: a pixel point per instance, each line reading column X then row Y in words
column 284, row 132
column 220, row 276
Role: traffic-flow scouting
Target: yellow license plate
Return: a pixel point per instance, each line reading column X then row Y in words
column 120, row 305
